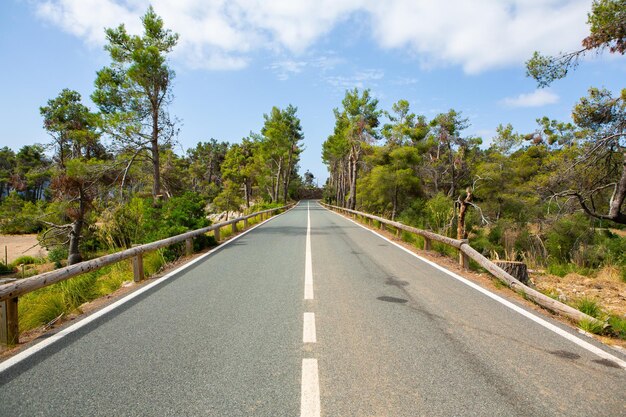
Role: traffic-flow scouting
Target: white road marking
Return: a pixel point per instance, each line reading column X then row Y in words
column 569, row 336
column 308, row 264
column 60, row 335
column 310, row 398
column 308, row 330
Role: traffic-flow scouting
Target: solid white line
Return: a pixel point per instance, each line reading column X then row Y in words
column 572, row 338
column 60, row 335
column 310, row 399
column 308, row 330
column 308, row 264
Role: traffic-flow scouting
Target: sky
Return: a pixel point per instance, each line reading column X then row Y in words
column 238, row 58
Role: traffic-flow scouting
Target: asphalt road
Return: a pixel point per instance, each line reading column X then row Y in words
column 381, row 334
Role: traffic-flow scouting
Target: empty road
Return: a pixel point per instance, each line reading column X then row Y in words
column 307, row 315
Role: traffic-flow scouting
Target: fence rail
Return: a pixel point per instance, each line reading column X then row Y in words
column 466, row 252
column 9, row 293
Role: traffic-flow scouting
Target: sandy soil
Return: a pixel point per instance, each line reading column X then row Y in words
column 20, row 245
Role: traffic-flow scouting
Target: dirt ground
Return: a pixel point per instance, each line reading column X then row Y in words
column 20, row 245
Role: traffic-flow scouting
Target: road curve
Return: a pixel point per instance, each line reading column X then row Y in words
column 379, row 333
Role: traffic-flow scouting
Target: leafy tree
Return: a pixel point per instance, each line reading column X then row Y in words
column 359, row 120
column 239, row 166
column 133, row 93
column 78, row 171
column 280, row 149
column 72, row 127
column 595, row 172
column 205, row 164
column 229, row 199
column 7, row 167
column 607, row 29
column 32, row 172
column 405, row 128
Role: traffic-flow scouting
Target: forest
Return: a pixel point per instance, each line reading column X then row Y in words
column 110, row 177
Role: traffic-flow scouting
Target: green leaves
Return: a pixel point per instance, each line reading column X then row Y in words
column 607, row 29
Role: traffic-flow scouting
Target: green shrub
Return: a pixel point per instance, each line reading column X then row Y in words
column 566, row 235
column 26, row 260
column 6, row 269
column 18, row 216
column 559, row 269
column 589, row 306
column 618, row 326
column 40, row 307
column 591, row 326
column 57, row 255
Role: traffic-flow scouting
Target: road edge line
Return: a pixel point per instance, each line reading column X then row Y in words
column 14, row 360
column 542, row 322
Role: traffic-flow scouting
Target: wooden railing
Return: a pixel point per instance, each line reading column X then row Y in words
column 10, row 292
column 466, row 252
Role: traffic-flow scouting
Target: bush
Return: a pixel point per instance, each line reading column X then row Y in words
column 6, row 269
column 18, row 216
column 618, row 326
column 439, row 210
column 26, row 260
column 57, row 254
column 590, row 307
column 567, row 235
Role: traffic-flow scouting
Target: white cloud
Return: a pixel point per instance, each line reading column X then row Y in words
column 224, row 33
column 284, row 69
column 537, row 98
column 360, row 79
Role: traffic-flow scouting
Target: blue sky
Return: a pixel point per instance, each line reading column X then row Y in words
column 238, row 58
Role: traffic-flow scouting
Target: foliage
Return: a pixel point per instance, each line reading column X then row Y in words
column 57, row 254
column 607, row 30
column 18, row 216
column 590, row 307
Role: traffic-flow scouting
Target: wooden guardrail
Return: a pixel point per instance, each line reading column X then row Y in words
column 10, row 292
column 466, row 252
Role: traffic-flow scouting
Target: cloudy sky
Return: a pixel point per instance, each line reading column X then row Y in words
column 238, row 58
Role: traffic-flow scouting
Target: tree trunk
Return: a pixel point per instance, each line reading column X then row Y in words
column 461, row 233
column 353, row 178
column 73, row 255
column 156, row 168
column 395, row 202
column 246, row 190
column 277, row 181
column 288, row 174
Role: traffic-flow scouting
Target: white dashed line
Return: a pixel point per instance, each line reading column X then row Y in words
column 308, row 264
column 308, row 331
column 310, row 399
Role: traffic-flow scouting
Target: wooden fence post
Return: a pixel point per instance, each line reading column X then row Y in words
column 427, row 244
column 216, row 234
column 234, row 227
column 138, row 267
column 189, row 246
column 464, row 260
column 245, row 222
column 9, row 325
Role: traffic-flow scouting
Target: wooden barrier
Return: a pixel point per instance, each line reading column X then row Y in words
column 466, row 252
column 9, row 292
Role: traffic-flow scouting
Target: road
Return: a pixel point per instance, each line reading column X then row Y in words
column 310, row 314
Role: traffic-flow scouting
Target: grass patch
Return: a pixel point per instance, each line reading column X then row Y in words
column 44, row 305
column 498, row 284
column 589, row 306
column 40, row 307
column 551, row 292
column 28, row 260
column 618, row 326
column 590, row 326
